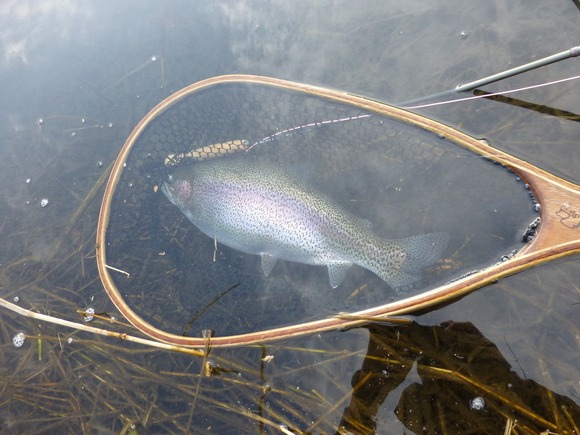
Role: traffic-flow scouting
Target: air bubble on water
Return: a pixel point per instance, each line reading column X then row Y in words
column 124, row 165
column 28, row 181
column 88, row 317
column 43, row 202
column 153, row 58
column 477, row 403
column 40, row 121
column 16, row 299
column 110, row 124
column 74, row 133
column 537, row 207
column 69, row 340
column 82, row 120
column 464, row 34
column 99, row 164
column 19, row 339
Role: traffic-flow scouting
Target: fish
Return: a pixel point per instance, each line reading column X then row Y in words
column 265, row 210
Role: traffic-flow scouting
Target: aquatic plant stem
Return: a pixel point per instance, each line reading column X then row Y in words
column 28, row 313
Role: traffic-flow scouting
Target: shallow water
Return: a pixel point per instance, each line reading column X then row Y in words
column 78, row 76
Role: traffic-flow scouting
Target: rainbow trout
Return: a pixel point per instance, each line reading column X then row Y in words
column 263, row 210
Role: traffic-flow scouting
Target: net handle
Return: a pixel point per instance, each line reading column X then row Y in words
column 558, row 234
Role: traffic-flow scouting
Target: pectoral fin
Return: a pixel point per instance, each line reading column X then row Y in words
column 268, row 263
column 337, row 273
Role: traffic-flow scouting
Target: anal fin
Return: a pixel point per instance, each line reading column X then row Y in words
column 337, row 273
column 268, row 263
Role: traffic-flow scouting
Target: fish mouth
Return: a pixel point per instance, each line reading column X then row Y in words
column 165, row 188
column 167, row 184
column 168, row 191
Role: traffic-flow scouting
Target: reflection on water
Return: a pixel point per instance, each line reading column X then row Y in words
column 82, row 66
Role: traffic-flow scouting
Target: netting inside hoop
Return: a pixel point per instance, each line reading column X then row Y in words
column 404, row 180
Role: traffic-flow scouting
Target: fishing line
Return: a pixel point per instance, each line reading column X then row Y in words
column 440, row 103
column 310, row 124
column 292, row 130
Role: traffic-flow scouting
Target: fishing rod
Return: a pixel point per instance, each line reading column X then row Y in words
column 566, row 54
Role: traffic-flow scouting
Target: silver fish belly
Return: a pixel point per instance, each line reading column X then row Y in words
column 263, row 210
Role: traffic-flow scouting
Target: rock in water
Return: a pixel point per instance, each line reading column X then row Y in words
column 263, row 210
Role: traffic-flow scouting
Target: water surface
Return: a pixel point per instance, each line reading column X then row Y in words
column 78, row 76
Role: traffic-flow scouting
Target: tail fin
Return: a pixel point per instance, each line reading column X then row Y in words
column 418, row 252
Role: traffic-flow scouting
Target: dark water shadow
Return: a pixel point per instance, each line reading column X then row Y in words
column 449, row 379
